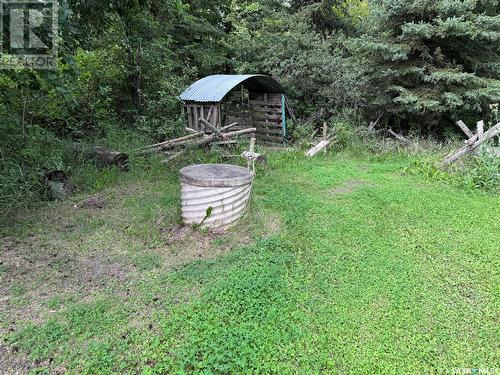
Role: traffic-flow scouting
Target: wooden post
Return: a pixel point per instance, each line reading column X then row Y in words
column 196, row 118
column 215, row 115
column 465, row 129
column 252, row 144
column 189, row 116
column 480, row 128
column 320, row 146
column 283, row 115
column 324, row 135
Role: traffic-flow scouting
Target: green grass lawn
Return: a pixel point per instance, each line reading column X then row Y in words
column 343, row 265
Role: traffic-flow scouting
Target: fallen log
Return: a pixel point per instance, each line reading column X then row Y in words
column 213, row 129
column 200, row 142
column 212, row 137
column 110, row 158
column 495, row 130
column 197, row 139
column 172, row 141
column 240, row 132
column 104, row 156
column 227, row 127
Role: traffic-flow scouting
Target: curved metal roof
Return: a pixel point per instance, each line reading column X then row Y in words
column 214, row 88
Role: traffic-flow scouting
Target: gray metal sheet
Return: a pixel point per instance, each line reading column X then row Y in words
column 215, row 87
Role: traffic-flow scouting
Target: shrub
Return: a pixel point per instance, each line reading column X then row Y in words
column 24, row 160
column 484, row 171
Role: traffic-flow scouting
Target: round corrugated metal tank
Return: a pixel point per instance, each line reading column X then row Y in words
column 214, row 195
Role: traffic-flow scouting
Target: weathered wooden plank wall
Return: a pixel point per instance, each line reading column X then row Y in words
column 237, row 109
column 267, row 117
column 260, row 110
column 195, row 111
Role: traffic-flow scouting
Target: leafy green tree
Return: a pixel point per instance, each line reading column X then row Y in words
column 157, row 39
column 121, row 63
column 430, row 61
column 283, row 41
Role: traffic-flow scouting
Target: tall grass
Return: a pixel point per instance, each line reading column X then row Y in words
column 479, row 170
column 25, row 158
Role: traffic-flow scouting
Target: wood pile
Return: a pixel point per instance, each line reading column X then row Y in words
column 211, row 136
column 267, row 116
column 108, row 158
column 473, row 141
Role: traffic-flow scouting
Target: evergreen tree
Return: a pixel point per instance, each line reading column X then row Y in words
column 431, row 61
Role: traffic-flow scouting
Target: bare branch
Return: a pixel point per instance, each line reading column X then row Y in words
column 399, row 137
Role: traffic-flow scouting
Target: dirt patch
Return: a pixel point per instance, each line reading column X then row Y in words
column 94, row 202
column 272, row 224
column 36, row 272
column 349, row 186
column 180, row 233
column 185, row 243
column 14, row 363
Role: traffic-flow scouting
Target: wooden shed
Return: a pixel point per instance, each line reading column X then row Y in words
column 252, row 100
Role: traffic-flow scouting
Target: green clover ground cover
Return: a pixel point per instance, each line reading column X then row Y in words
column 372, row 272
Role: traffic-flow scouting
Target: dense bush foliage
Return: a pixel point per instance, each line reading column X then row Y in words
column 123, row 63
column 313, row 66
